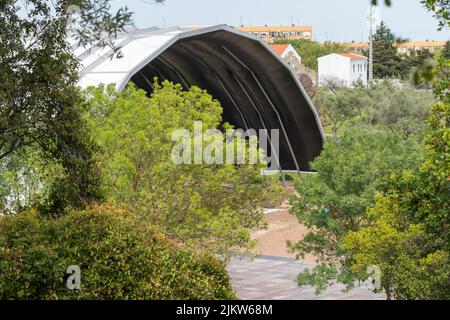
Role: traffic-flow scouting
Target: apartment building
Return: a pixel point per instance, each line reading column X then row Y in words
column 403, row 47
column 271, row 34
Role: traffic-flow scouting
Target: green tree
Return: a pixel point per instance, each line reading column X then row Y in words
column 338, row 107
column 24, row 180
column 209, row 206
column 404, row 110
column 412, row 216
column 40, row 103
column 332, row 203
column 386, row 62
column 380, row 105
column 408, row 237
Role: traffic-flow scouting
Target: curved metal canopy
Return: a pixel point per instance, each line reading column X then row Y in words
column 255, row 87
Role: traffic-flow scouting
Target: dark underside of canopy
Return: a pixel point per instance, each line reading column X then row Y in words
column 255, row 89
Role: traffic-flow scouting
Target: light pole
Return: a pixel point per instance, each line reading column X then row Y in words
column 371, row 45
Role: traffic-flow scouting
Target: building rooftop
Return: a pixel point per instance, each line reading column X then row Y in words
column 421, row 44
column 353, row 56
column 280, row 48
column 275, row 28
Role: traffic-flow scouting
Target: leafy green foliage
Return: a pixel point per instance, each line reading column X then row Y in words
column 25, row 180
column 332, row 203
column 441, row 75
column 120, row 257
column 441, row 9
column 209, row 206
column 41, row 105
column 339, row 106
column 95, row 22
column 380, row 105
column 409, row 237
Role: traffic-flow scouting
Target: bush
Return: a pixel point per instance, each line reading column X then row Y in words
column 120, row 257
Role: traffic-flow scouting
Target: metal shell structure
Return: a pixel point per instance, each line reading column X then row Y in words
column 256, row 89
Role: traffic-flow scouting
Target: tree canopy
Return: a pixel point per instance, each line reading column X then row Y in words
column 209, row 206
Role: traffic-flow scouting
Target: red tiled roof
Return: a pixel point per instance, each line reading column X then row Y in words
column 353, row 56
column 279, row 48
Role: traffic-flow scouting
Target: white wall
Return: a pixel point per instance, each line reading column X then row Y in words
column 340, row 68
column 360, row 71
column 336, row 67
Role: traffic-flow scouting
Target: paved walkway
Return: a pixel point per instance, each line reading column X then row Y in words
column 282, row 226
column 273, row 278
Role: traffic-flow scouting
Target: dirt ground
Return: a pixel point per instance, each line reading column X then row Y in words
column 282, row 226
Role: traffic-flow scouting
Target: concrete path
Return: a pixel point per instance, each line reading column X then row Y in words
column 273, row 278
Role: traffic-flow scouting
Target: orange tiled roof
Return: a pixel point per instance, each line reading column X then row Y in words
column 356, row 45
column 279, row 48
column 353, row 56
column 275, row 28
column 421, row 44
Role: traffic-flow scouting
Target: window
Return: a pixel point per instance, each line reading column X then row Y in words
column 354, row 68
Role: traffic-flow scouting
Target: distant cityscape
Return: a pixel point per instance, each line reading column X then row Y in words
column 271, row 34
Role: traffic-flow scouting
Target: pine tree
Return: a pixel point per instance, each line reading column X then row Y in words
column 386, row 62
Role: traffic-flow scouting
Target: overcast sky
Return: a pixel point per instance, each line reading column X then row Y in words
column 335, row 20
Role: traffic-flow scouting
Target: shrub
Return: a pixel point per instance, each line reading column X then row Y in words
column 120, row 257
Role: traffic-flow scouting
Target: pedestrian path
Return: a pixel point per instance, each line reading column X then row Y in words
column 273, row 278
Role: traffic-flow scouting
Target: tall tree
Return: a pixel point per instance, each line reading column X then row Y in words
column 332, row 203
column 40, row 104
column 386, row 62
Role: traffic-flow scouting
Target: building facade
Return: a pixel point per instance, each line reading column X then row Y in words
column 403, row 47
column 271, row 34
column 289, row 55
column 343, row 69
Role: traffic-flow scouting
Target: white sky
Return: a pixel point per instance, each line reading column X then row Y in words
column 335, row 20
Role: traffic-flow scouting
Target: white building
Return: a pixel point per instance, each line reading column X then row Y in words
column 342, row 68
